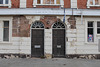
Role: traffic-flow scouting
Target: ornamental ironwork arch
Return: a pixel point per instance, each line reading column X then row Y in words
column 58, row 25
column 37, row 24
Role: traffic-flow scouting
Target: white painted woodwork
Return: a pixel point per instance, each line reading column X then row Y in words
column 23, row 3
column 73, row 3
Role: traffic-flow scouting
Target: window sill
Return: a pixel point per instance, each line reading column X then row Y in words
column 5, row 43
column 98, row 35
column 94, row 5
column 4, row 4
column 48, row 4
column 91, row 43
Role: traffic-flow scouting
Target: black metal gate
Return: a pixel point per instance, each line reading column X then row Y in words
column 37, row 42
column 58, row 42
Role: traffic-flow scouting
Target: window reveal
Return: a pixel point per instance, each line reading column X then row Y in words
column 6, row 1
column 90, row 32
column 3, row 1
column 58, row 1
column 94, row 2
column 6, row 31
column 98, row 27
column 48, row 1
column 38, row 1
column 97, row 2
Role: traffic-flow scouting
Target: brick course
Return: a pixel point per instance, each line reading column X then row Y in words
column 67, row 4
column 15, row 3
column 48, row 20
column 30, row 5
column 21, row 27
column 82, row 4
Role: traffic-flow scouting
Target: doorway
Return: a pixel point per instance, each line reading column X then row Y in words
column 58, row 39
column 37, row 39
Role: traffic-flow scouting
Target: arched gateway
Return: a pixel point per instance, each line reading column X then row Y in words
column 58, row 40
column 37, row 39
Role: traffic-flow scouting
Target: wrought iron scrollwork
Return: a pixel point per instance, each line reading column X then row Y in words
column 38, row 24
column 58, row 25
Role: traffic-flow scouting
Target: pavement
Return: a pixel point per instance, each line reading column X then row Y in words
column 57, row 62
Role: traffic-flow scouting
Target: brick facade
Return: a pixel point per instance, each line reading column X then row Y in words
column 48, row 21
column 30, row 4
column 21, row 27
column 82, row 4
column 15, row 3
column 67, row 3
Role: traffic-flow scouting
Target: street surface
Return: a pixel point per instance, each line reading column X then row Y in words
column 61, row 62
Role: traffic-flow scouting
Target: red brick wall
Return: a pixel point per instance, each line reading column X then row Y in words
column 82, row 4
column 21, row 29
column 3, row 7
column 94, row 7
column 67, row 4
column 15, row 3
column 48, row 20
column 30, row 4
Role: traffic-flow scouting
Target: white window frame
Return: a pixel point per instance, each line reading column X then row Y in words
column 61, row 3
column 96, row 36
column 89, row 5
column 90, row 27
column 9, row 3
column 98, row 27
column 73, row 3
column 2, row 19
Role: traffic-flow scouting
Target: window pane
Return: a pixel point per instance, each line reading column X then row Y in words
column 90, row 24
column 90, row 35
column 6, row 1
column 98, row 24
column 6, row 24
column 98, row 30
column 52, row 1
column 90, row 31
column 38, row 1
column 97, row 2
column 6, row 34
column 58, row 1
column 6, row 31
column 91, row 2
column 48, row 1
column 1, row 1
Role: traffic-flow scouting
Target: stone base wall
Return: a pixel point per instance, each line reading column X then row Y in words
column 49, row 56
column 83, row 56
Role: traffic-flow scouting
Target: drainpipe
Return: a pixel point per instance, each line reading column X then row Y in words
column 64, row 15
column 72, row 11
column 81, row 17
